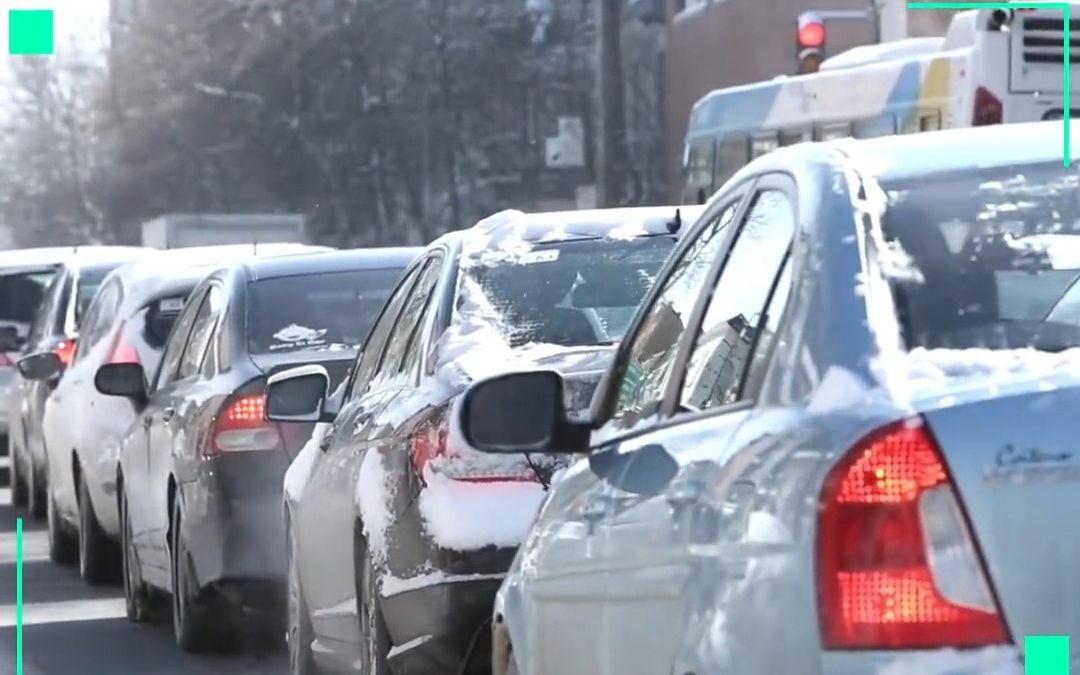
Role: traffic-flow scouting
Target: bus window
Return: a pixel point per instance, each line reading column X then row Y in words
column 699, row 166
column 732, row 155
column 764, row 144
column 827, row 132
column 793, row 136
column 875, row 127
column 930, row 121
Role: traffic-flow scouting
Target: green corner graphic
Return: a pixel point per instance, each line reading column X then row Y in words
column 30, row 32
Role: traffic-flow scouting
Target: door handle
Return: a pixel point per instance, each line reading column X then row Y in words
column 167, row 414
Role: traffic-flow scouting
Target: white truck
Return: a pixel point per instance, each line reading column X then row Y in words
column 203, row 229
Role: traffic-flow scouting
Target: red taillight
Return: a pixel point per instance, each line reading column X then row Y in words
column 5, row 360
column 876, row 584
column 121, row 351
column 241, row 426
column 987, row 109
column 429, row 449
column 65, row 351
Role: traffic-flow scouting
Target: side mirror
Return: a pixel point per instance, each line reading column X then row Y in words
column 297, row 394
column 126, row 380
column 40, row 367
column 520, row 412
column 10, row 340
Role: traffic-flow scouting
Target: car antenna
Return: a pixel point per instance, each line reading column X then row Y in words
column 675, row 224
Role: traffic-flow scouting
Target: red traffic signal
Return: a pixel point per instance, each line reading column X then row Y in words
column 810, row 39
column 811, row 33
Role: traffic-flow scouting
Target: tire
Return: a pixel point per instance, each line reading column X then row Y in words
column 37, row 498
column 375, row 639
column 99, row 559
column 300, row 633
column 138, row 601
column 20, row 491
column 195, row 626
column 63, row 543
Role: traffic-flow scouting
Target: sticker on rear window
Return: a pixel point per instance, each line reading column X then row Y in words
column 293, row 336
column 539, row 257
column 171, row 304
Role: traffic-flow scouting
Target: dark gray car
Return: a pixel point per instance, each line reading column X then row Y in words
column 201, row 469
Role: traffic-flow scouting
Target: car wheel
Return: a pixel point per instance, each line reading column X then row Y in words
column 98, row 562
column 300, row 633
column 375, row 639
column 193, row 625
column 138, row 602
column 19, row 488
column 38, row 492
column 63, row 543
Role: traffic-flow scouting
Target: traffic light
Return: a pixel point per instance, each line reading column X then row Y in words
column 810, row 42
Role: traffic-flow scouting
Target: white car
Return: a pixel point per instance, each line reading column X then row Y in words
column 128, row 321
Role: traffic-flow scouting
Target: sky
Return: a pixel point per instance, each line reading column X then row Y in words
column 79, row 24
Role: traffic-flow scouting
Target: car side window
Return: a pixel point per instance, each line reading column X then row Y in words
column 767, row 329
column 721, row 351
column 44, row 315
column 174, row 346
column 399, row 347
column 99, row 318
column 201, row 329
column 654, row 345
column 373, row 348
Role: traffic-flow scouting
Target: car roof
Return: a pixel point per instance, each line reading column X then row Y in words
column 550, row 226
column 898, row 157
column 27, row 258
column 165, row 273
column 330, row 261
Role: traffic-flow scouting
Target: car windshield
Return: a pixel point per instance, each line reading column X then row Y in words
column 21, row 293
column 569, row 293
column 992, row 257
column 316, row 311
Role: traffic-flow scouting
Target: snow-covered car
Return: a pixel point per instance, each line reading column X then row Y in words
column 128, row 321
column 858, row 457
column 55, row 328
column 398, row 535
column 200, row 470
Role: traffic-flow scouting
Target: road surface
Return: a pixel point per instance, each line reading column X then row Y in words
column 71, row 629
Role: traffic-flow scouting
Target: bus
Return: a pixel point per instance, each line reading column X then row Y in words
column 992, row 66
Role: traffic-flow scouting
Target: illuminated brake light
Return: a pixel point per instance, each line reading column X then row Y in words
column 889, row 523
column 242, row 427
column 122, row 351
column 987, row 109
column 429, row 451
column 65, row 351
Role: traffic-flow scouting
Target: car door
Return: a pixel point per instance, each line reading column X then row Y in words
column 656, row 482
column 325, row 521
column 73, row 400
column 564, row 590
column 146, row 496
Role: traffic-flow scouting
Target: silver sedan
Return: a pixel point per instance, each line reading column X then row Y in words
column 839, row 438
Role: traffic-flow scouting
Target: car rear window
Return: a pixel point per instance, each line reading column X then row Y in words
column 316, row 311
column 90, row 279
column 571, row 292
column 987, row 258
column 21, row 293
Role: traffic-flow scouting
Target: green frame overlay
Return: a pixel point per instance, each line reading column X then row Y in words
column 1064, row 7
